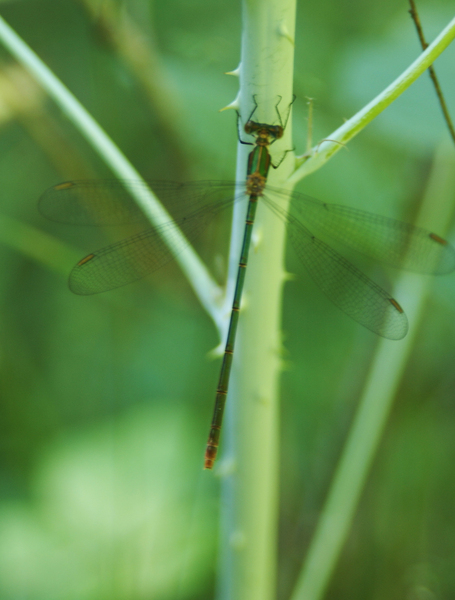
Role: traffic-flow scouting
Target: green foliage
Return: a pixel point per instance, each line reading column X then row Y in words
column 106, row 400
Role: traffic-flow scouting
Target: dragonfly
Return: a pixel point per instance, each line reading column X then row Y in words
column 194, row 205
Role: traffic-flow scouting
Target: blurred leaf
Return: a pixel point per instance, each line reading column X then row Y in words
column 113, row 512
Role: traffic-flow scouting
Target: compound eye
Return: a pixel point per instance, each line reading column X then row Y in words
column 278, row 132
column 248, row 127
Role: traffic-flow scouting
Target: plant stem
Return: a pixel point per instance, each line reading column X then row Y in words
column 445, row 111
column 250, row 441
column 355, row 124
column 204, row 286
column 376, row 401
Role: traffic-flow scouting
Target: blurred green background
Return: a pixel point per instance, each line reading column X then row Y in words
column 105, row 400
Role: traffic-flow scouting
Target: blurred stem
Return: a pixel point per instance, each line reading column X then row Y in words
column 22, row 99
column 204, row 286
column 45, row 250
column 324, row 151
column 250, row 448
column 445, row 111
column 36, row 244
column 137, row 50
column 380, row 390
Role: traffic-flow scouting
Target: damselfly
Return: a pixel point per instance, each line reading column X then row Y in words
column 194, row 205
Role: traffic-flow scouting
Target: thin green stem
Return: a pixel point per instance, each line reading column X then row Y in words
column 376, row 401
column 324, row 151
column 445, row 111
column 204, row 286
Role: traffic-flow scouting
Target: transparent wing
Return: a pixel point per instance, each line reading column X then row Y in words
column 345, row 285
column 108, row 201
column 389, row 241
column 193, row 205
column 135, row 257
